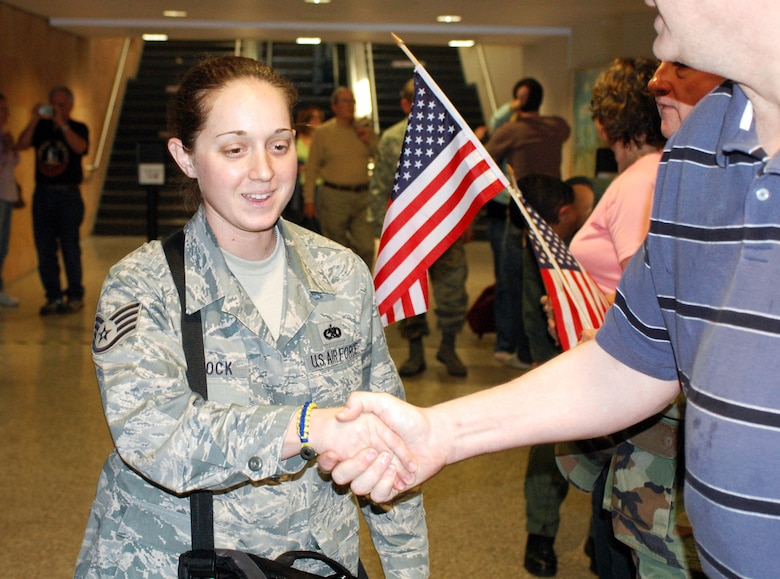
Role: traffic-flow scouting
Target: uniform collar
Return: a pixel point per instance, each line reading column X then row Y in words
column 209, row 279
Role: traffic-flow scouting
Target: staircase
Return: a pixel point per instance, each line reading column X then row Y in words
column 123, row 204
column 392, row 69
column 311, row 68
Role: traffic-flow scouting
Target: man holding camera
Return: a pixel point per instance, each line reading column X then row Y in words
column 58, row 209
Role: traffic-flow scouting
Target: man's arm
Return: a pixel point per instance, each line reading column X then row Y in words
column 583, row 393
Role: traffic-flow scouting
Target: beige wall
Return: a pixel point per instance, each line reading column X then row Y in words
column 35, row 58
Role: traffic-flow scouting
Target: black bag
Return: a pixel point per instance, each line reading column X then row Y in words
column 230, row 564
column 204, row 560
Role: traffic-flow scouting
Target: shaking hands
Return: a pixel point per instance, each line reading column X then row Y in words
column 403, row 462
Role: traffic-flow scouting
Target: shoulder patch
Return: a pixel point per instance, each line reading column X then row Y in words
column 108, row 332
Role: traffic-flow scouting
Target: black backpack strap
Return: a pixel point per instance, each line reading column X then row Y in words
column 202, row 502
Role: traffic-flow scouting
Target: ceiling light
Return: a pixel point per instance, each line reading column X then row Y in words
column 448, row 18
column 460, row 43
column 317, row 1
column 155, row 37
column 308, row 40
column 175, row 13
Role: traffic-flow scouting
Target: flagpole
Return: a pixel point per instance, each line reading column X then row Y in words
column 495, row 169
column 402, row 45
column 514, row 190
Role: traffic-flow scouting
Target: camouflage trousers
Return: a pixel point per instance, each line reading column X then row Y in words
column 545, row 490
column 448, row 277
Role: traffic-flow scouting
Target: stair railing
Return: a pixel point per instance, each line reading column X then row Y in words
column 486, row 80
column 111, row 108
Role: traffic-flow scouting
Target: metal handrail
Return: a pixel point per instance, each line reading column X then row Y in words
column 487, row 81
column 118, row 79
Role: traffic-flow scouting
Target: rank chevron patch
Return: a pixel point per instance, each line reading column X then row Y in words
column 109, row 331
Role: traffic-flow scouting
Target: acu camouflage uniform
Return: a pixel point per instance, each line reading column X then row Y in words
column 169, row 441
column 448, row 273
column 644, row 491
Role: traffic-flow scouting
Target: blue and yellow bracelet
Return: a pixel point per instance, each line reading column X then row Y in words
column 307, row 452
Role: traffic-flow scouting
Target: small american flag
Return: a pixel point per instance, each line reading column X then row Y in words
column 576, row 300
column 444, row 177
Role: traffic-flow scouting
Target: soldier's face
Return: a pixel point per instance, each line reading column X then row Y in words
column 245, row 162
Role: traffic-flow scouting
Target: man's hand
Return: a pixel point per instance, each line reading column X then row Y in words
column 371, row 472
column 343, row 440
column 551, row 328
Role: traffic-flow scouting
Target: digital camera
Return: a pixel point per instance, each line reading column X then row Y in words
column 46, row 111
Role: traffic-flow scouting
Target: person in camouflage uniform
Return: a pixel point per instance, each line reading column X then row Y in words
column 288, row 317
column 448, row 273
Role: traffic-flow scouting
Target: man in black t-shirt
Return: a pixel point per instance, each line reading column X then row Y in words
column 58, row 209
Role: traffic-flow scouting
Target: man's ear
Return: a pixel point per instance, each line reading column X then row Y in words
column 182, row 157
column 565, row 212
column 567, row 222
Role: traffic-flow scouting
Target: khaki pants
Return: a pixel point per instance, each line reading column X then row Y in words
column 344, row 219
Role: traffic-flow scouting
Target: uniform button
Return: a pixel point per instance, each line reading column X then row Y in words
column 255, row 464
column 762, row 194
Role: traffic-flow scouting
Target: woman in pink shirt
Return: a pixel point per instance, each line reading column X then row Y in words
column 626, row 117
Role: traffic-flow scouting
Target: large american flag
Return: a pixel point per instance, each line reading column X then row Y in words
column 444, row 177
column 576, row 300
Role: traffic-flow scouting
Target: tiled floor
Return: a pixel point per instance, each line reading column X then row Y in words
column 53, row 441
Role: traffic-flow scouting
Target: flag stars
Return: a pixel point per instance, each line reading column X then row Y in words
column 430, row 130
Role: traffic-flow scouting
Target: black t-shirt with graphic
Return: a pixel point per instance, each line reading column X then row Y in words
column 55, row 162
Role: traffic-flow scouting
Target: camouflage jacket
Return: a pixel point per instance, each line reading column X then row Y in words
column 169, row 441
column 383, row 177
column 644, row 486
column 644, row 492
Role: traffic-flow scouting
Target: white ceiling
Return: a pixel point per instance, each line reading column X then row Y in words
column 485, row 21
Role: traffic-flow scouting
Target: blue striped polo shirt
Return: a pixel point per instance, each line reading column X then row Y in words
column 701, row 302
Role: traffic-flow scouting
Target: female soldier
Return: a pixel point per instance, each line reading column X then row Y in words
column 288, row 319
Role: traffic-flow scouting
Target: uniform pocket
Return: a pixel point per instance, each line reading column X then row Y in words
column 642, row 491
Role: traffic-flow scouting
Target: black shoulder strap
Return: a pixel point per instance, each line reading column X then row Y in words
column 201, row 503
